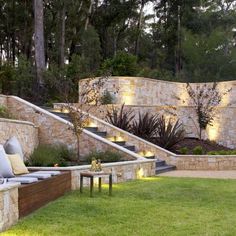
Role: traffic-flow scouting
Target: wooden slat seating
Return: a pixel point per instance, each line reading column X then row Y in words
column 35, row 195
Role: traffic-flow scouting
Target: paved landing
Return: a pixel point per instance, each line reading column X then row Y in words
column 231, row 174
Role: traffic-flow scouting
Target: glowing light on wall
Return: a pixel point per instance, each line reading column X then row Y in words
column 213, row 131
column 140, row 173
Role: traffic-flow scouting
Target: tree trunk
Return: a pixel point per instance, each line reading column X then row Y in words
column 88, row 15
column 61, row 58
column 139, row 27
column 39, row 40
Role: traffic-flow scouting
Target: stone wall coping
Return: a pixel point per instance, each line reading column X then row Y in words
column 204, row 156
column 8, row 186
column 84, row 167
column 160, row 81
column 84, row 130
column 22, row 122
column 41, row 110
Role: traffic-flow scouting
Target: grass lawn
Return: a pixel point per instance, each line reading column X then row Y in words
column 152, row 206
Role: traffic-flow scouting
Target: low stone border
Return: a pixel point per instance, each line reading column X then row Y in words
column 121, row 171
column 203, row 162
column 9, row 213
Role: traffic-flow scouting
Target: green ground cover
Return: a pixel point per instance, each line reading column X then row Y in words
column 152, row 206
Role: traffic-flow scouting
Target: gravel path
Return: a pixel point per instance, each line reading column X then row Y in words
column 231, row 174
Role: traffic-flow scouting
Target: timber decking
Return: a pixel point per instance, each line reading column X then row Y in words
column 35, row 195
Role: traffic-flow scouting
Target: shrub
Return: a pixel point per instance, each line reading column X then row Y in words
column 106, row 156
column 169, row 133
column 120, row 118
column 4, row 113
column 222, row 152
column 45, row 155
column 123, row 64
column 198, row 150
column 146, row 126
column 183, row 150
column 106, row 98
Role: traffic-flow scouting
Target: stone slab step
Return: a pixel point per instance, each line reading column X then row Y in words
column 165, row 168
column 130, row 147
column 121, row 143
column 101, row 133
column 160, row 163
column 92, row 129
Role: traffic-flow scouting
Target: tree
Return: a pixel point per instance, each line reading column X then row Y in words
column 39, row 40
column 205, row 99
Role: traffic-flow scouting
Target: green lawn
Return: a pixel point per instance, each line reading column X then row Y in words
column 152, row 206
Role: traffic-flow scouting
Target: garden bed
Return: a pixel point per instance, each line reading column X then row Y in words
column 189, row 144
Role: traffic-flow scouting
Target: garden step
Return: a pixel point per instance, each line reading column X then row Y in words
column 101, row 133
column 130, row 147
column 165, row 168
column 92, row 129
column 160, row 163
column 121, row 143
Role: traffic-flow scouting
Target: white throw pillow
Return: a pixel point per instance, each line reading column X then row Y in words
column 5, row 165
column 12, row 146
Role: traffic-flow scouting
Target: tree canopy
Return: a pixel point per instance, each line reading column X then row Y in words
column 178, row 40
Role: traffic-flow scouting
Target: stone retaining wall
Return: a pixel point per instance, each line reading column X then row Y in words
column 121, row 171
column 8, row 205
column 26, row 133
column 204, row 162
column 52, row 129
column 152, row 92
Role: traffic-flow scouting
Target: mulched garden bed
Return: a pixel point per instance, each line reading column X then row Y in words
column 191, row 143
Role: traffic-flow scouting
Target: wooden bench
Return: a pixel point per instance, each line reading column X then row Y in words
column 35, row 195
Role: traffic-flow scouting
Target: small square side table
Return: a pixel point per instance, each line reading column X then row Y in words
column 92, row 175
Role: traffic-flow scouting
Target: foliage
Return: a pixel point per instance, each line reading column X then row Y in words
column 222, row 152
column 121, row 64
column 183, row 150
column 145, row 126
column 45, row 155
column 198, row 150
column 205, row 99
column 4, row 113
column 209, row 57
column 106, row 156
column 169, row 133
column 120, row 118
column 106, row 98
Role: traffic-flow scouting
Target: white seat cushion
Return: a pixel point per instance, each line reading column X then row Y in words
column 53, row 172
column 36, row 175
column 23, row 180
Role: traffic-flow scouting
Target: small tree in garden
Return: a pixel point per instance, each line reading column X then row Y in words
column 90, row 93
column 205, row 100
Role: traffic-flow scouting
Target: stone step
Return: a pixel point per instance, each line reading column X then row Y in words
column 160, row 163
column 121, row 143
column 101, row 133
column 130, row 147
column 165, row 168
column 92, row 129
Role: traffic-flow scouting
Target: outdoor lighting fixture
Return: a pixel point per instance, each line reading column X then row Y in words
column 213, row 134
column 146, row 154
column 91, row 124
column 116, row 139
column 140, row 173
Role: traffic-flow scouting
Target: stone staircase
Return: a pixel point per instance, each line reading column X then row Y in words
column 161, row 165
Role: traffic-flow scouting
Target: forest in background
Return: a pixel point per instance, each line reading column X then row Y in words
column 46, row 45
